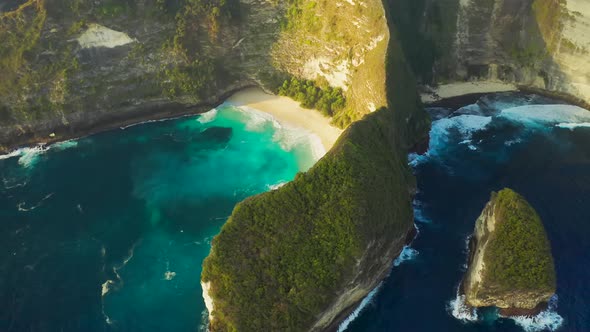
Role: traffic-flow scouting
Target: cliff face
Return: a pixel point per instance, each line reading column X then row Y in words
column 70, row 66
column 510, row 263
column 301, row 257
column 540, row 44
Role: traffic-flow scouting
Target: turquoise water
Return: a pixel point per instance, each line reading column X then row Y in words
column 109, row 232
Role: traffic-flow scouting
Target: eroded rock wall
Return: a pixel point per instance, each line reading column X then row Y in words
column 542, row 44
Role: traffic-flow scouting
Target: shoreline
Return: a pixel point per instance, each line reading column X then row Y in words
column 284, row 110
column 288, row 112
column 432, row 95
column 457, row 95
column 54, row 131
column 248, row 94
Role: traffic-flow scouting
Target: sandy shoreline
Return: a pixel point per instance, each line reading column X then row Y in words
column 288, row 112
column 446, row 91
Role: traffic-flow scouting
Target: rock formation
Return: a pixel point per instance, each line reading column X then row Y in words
column 538, row 44
column 73, row 66
column 510, row 265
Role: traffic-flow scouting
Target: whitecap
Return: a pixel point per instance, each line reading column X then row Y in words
column 27, row 156
column 289, row 137
column 459, row 309
column 21, row 206
column 354, row 315
column 169, row 275
column 543, row 115
column 466, row 126
column 256, row 120
column 208, row 116
column 414, row 159
column 513, row 142
column 407, row 254
column 106, row 287
column 64, row 145
column 30, row 156
column 15, row 153
column 546, row 320
column 276, row 186
column 419, row 214
column 572, row 126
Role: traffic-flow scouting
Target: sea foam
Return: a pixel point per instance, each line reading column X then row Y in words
column 460, row 310
column 407, row 254
column 208, row 116
column 289, row 137
column 440, row 139
column 29, row 156
column 546, row 320
column 543, row 115
column 572, row 126
column 354, row 315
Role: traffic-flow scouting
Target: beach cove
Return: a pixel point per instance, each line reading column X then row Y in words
column 124, row 217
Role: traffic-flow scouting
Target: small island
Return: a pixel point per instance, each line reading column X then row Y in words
column 510, row 263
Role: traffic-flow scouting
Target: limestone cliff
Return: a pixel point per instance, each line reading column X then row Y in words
column 74, row 66
column 541, row 44
column 303, row 256
column 510, row 264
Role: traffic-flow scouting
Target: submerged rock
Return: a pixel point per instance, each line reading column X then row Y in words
column 510, row 264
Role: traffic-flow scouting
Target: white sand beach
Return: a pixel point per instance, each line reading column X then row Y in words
column 464, row 88
column 289, row 112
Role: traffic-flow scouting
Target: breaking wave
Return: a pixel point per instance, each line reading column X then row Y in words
column 572, row 126
column 29, row 156
column 460, row 310
column 546, row 320
column 407, row 254
column 208, row 116
column 354, row 315
column 543, row 115
column 289, row 137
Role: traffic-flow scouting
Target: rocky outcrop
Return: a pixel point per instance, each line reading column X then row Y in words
column 303, row 256
column 510, row 265
column 536, row 44
column 87, row 65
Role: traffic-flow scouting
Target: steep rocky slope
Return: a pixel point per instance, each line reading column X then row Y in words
column 510, row 265
column 74, row 66
column 541, row 44
column 301, row 257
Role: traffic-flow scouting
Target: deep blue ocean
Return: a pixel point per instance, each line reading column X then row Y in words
column 108, row 232
column 527, row 143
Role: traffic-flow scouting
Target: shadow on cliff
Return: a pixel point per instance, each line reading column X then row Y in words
column 511, row 41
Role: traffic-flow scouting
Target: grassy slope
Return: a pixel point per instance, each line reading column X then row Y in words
column 519, row 253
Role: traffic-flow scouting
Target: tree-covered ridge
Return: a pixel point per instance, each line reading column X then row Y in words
column 284, row 255
column 519, row 254
column 327, row 99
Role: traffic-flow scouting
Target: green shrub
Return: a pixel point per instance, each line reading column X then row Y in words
column 519, row 253
column 327, row 100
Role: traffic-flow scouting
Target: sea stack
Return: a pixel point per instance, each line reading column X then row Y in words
column 510, row 263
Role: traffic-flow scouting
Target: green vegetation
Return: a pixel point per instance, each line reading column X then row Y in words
column 112, row 8
column 194, row 74
column 519, row 253
column 283, row 255
column 329, row 30
column 301, row 13
column 327, row 100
